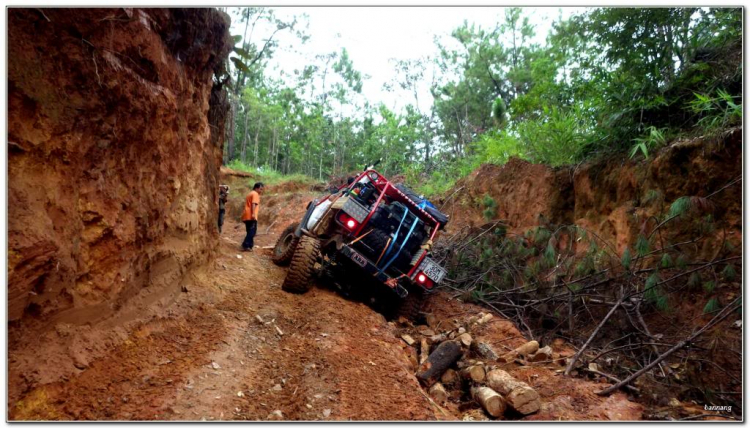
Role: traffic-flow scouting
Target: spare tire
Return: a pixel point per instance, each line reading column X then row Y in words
column 374, row 243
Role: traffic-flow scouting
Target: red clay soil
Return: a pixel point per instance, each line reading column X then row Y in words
column 233, row 346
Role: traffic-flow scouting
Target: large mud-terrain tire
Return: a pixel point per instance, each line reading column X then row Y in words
column 410, row 306
column 285, row 246
column 302, row 268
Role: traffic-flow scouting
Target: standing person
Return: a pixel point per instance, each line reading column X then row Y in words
column 223, row 195
column 250, row 215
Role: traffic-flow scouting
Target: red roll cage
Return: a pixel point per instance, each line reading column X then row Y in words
column 384, row 186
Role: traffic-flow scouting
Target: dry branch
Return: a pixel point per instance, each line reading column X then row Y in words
column 715, row 320
column 596, row 331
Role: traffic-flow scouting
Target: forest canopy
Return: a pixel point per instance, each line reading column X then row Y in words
column 605, row 81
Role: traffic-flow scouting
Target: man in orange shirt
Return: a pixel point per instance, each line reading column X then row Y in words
column 250, row 215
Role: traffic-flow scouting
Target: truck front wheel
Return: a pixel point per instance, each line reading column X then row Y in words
column 285, row 246
column 302, row 268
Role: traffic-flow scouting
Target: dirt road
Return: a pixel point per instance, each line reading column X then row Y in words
column 237, row 347
column 234, row 346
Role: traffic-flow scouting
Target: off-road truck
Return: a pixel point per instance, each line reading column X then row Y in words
column 369, row 233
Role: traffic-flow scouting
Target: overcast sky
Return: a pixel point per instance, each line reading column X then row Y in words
column 373, row 35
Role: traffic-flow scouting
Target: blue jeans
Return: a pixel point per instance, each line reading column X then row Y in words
column 251, row 226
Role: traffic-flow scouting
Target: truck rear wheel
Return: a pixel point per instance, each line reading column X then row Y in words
column 285, row 246
column 302, row 268
column 412, row 304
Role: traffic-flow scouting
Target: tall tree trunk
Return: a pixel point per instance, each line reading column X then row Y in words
column 320, row 164
column 272, row 149
column 243, row 150
column 257, row 132
column 230, row 130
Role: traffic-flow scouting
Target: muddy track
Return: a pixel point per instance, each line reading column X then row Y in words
column 234, row 346
column 313, row 356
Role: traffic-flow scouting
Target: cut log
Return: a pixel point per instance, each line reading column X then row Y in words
column 432, row 320
column 438, row 338
column 474, row 373
column 408, row 339
column 450, row 377
column 491, row 401
column 543, row 354
column 485, row 319
column 484, row 350
column 411, row 355
column 518, row 395
column 425, row 350
column 438, row 393
column 522, row 351
column 438, row 362
column 465, row 339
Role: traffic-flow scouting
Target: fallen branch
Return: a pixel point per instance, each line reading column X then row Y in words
column 269, row 227
column 612, row 378
column 715, row 320
column 596, row 331
column 42, row 12
column 705, row 415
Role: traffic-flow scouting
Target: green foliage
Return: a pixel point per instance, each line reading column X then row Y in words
column 541, row 235
column 680, row 206
column 476, row 296
column 549, row 255
column 666, row 261
column 490, row 207
column 694, row 281
column 600, row 79
column 627, row 258
column 712, row 306
column 653, row 140
column 555, row 138
column 653, row 293
column 682, row 262
column 717, row 112
column 652, row 195
column 498, row 112
column 662, row 303
column 652, row 280
column 729, row 273
column 269, row 176
column 642, row 245
column 709, row 287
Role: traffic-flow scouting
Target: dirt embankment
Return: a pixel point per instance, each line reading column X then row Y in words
column 281, row 204
column 113, row 169
column 615, row 198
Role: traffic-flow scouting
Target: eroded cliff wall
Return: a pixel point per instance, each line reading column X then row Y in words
column 112, row 165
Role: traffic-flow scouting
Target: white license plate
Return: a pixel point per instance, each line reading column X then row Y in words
column 432, row 270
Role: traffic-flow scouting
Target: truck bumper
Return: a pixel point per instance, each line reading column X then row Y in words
column 361, row 261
